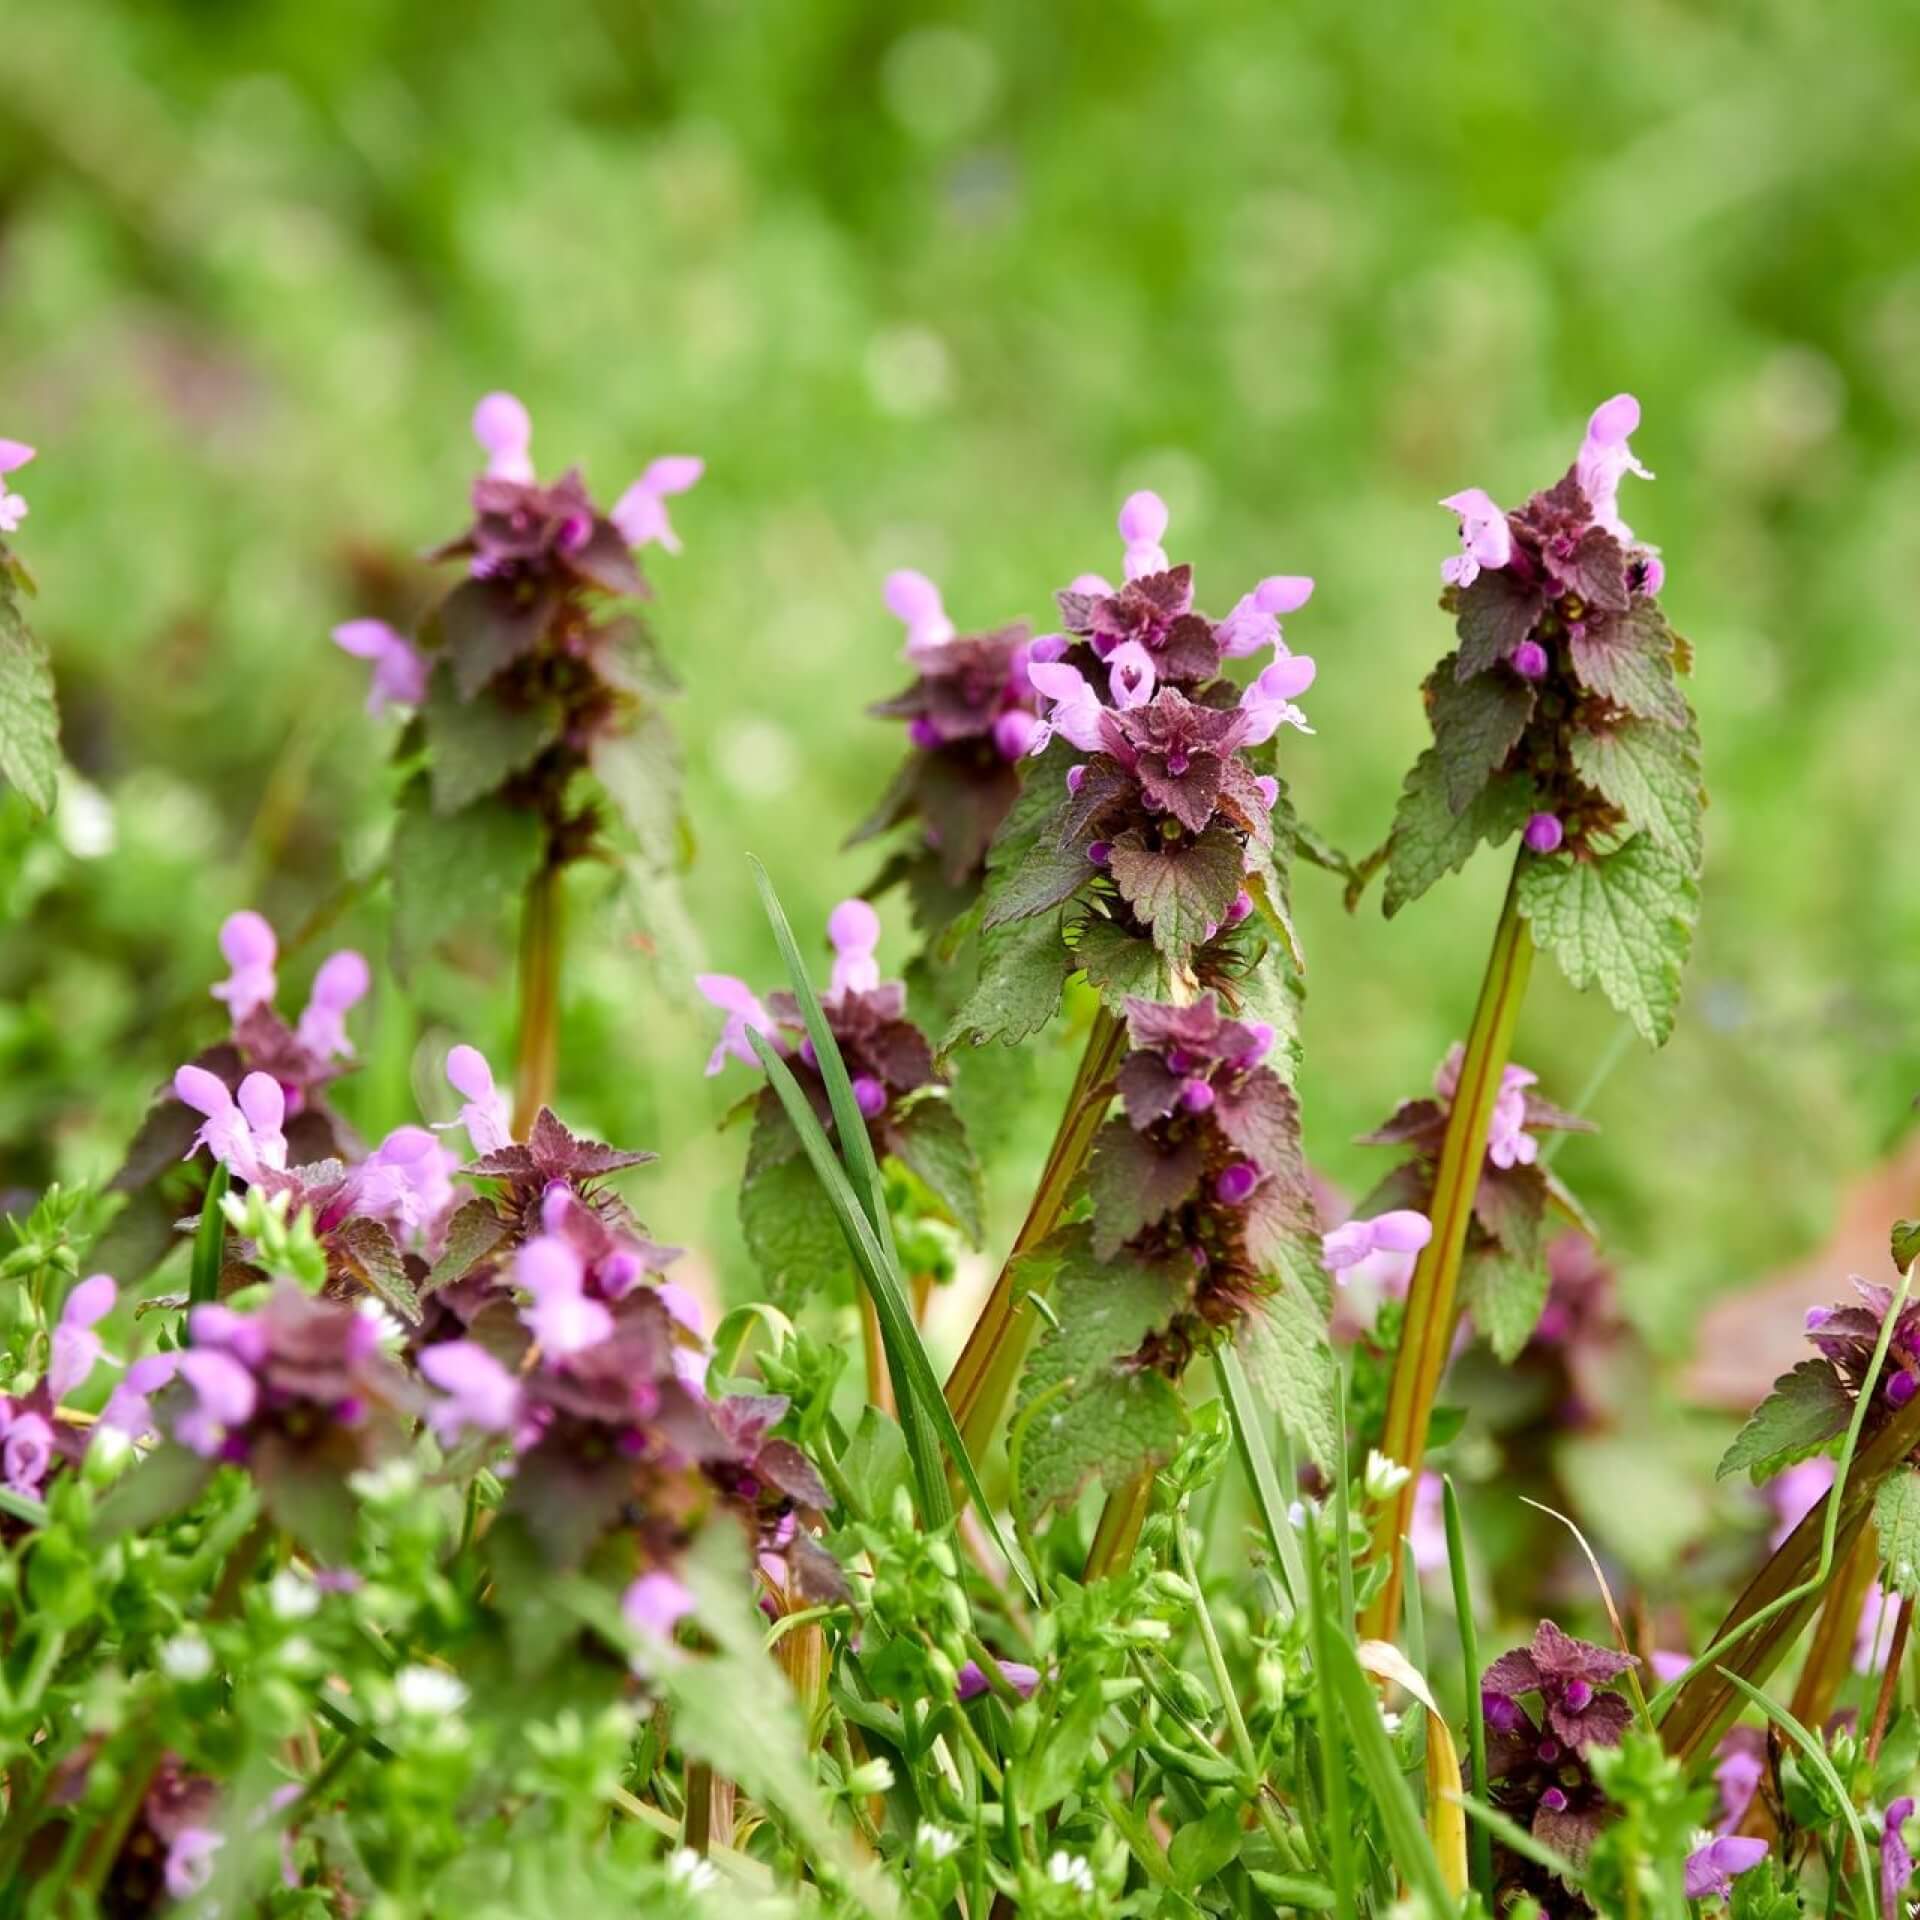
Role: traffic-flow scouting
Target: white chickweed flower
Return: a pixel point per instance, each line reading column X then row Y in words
column 186, row 1657
column 1069, row 1870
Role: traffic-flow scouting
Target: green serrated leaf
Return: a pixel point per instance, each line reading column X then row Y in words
column 1476, row 724
column 1496, row 613
column 1134, row 1184
column 1807, row 1409
column 1505, row 1291
column 1623, row 920
column 1286, row 1353
column 930, row 1139
column 474, row 1231
column 367, row 1251
column 1906, row 1242
column 479, row 744
column 640, row 767
column 1896, row 1519
column 453, row 870
column 1430, row 840
column 486, row 625
column 29, row 721
column 1022, row 971
column 1182, row 891
column 1651, row 772
column 1630, row 661
column 786, row 1219
column 1120, row 965
column 1047, row 876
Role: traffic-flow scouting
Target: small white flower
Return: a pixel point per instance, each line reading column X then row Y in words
column 387, row 1485
column 298, row 1654
column 428, row 1692
column 291, row 1597
column 186, row 1657
column 936, row 1841
column 873, row 1776
column 1390, row 1720
column 1297, row 1516
column 687, row 1869
column 1384, row 1478
column 1069, row 1870
column 386, row 1325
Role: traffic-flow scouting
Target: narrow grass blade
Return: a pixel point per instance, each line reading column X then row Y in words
column 1481, row 1839
column 1816, row 1758
column 1269, row 1497
column 210, row 1242
column 1332, row 1729
column 1343, row 1530
column 1406, row 1832
column 1413, row 1613
column 916, row 1385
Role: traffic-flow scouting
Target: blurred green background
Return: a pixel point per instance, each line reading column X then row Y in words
column 936, row 287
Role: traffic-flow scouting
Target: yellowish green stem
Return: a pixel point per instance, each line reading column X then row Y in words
column 1433, row 1297
column 537, row 1059
column 1118, row 1533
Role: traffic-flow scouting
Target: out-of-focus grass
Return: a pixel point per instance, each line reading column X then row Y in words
column 937, row 287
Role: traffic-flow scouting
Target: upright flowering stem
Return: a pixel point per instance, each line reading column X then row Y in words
column 1830, row 1652
column 983, row 1377
column 537, row 1059
column 1432, row 1297
column 1118, row 1533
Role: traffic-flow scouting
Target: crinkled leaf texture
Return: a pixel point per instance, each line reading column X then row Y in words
column 1807, row 1410
column 1182, row 891
column 480, row 743
column 1896, row 1519
column 1286, row 1352
column 1023, row 968
column 29, row 724
column 1431, row 840
column 1112, row 1421
column 1505, row 1291
column 785, row 1216
column 931, row 1141
column 451, row 870
column 1651, row 772
column 1622, row 920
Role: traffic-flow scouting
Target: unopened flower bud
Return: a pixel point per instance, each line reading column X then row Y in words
column 1530, row 660
column 1233, row 1186
column 1544, row 833
column 1100, row 853
column 1076, row 776
column 1196, row 1095
column 1013, row 733
column 1242, row 906
column 1554, row 1800
column 871, row 1777
column 869, row 1095
column 1384, row 1478
column 1579, row 1695
column 1902, row 1387
column 922, row 732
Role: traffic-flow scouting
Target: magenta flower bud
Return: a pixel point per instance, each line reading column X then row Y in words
column 1180, row 1061
column 1902, row 1387
column 1579, row 1695
column 1196, row 1095
column 1530, row 660
column 1100, row 853
column 1269, row 789
column 1544, row 833
column 808, row 1055
column 1817, row 1317
column 1548, row 1752
column 1013, row 733
column 869, row 1095
column 1233, row 1186
column 922, row 732
column 1653, row 573
column 1242, row 906
column 1554, row 1800
column 1076, row 776
column 1502, row 1714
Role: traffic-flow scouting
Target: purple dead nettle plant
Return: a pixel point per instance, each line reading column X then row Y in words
column 14, row 454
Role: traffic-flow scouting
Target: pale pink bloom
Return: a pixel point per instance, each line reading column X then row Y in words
column 399, row 669
column 248, row 943
column 1485, row 538
column 1508, row 1143
column 1254, row 621
column 641, row 512
column 1793, row 1493
column 76, row 1347
column 407, row 1181
column 128, row 1407
column 1401, row 1231
column 854, row 929
column 245, row 1135
column 1143, row 525
column 14, row 454
column 1269, row 700
column 914, row 600
column 505, row 432
column 340, row 985
column 225, row 1398
column 486, row 1113
column 1076, row 709
column 1870, row 1637
column 1668, row 1666
column 482, row 1394
column 1130, row 675
column 26, row 1449
column 1427, row 1532
column 656, row 1603
column 1605, row 459
column 562, row 1318
column 744, row 1014
column 1014, row 733
column 190, row 1860
column 1711, row 1870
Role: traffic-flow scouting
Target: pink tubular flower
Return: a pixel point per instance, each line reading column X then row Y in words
column 1402, row 1231
column 407, row 1182
column 656, row 1603
column 245, row 1137
column 854, row 929
column 1508, row 1142
column 1143, row 525
column 14, row 454
column 1014, row 733
column 1793, row 1493
column 562, row 1318
column 26, row 1450
column 128, row 1408
column 190, row 1860
column 970, row 1681
column 340, row 984
column 914, row 600
column 1605, row 459
column 505, row 432
column 485, row 1114
column 1076, row 710
column 76, row 1347
column 1544, row 833
column 641, row 512
column 399, row 671
column 1485, row 538
column 1130, row 675
column 1896, row 1861
column 1268, row 703
column 1254, row 622
column 225, row 1398
column 744, row 1013
column 1711, row 1869
column 1427, row 1534
column 250, row 949
column 1870, row 1636
column 482, row 1395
